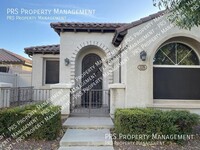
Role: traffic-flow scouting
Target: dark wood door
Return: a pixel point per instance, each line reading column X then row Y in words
column 91, row 81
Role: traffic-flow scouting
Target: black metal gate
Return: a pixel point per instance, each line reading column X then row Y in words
column 94, row 102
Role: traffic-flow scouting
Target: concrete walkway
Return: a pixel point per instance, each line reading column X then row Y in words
column 88, row 123
column 87, row 134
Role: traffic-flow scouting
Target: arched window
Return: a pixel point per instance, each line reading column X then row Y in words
column 176, row 74
column 176, row 54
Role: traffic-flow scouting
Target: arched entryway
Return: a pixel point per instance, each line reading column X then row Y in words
column 91, row 94
column 92, row 81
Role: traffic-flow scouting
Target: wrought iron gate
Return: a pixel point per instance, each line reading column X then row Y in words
column 94, row 102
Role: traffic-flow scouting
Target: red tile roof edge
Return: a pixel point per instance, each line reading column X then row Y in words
column 19, row 58
column 121, row 30
column 44, row 49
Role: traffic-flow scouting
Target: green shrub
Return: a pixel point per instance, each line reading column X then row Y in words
column 153, row 122
column 31, row 122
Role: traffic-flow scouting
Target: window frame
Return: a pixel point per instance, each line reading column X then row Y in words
column 7, row 69
column 44, row 69
column 176, row 65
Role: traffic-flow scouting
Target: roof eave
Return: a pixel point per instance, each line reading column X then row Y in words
column 89, row 30
column 123, row 30
column 12, row 62
column 118, row 37
column 31, row 53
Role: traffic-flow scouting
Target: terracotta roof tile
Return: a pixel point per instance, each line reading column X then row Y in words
column 10, row 57
column 45, row 49
column 121, row 30
column 85, row 27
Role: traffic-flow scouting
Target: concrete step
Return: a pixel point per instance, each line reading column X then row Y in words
column 87, row 148
column 86, row 137
column 88, row 123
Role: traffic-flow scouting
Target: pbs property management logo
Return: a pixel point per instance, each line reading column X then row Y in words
column 44, row 14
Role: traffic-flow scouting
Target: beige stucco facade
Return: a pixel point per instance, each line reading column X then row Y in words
column 136, row 87
column 18, row 68
column 139, row 84
column 38, row 73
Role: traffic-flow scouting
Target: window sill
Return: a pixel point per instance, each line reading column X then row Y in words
column 179, row 104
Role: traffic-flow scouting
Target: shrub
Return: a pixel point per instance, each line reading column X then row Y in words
column 153, row 122
column 31, row 122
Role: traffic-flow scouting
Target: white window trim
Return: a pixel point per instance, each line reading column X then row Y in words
column 176, row 66
column 174, row 103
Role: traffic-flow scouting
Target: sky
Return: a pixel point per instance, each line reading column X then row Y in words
column 20, row 27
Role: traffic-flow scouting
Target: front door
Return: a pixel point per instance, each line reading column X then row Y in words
column 91, row 81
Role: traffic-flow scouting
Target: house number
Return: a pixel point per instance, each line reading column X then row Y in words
column 142, row 67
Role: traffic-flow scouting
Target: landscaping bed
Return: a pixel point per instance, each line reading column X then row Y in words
column 32, row 144
column 149, row 121
column 118, row 145
column 35, row 126
column 189, row 145
column 182, row 122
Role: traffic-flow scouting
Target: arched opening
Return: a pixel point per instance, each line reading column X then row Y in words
column 91, row 94
column 176, row 54
column 176, row 72
column 92, row 80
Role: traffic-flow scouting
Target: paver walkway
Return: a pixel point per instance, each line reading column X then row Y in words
column 87, row 134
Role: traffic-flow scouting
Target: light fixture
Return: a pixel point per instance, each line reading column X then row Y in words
column 67, row 61
column 143, row 55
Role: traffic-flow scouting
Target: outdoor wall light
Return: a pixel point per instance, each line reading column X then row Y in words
column 143, row 55
column 67, row 61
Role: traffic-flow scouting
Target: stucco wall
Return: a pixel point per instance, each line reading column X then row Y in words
column 139, row 84
column 17, row 68
column 26, row 69
column 38, row 70
column 72, row 44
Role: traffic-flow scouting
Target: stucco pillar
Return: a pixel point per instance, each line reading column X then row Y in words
column 5, row 94
column 60, row 96
column 117, row 97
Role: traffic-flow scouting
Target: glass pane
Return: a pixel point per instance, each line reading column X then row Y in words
column 182, row 52
column 165, row 55
column 169, row 50
column 176, row 53
column 161, row 59
column 186, row 56
column 52, row 72
column 191, row 59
